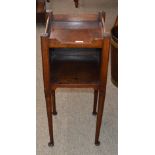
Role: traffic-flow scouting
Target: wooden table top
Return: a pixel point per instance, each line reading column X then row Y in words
column 76, row 29
column 76, row 32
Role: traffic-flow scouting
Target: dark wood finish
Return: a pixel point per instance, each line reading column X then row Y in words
column 75, row 52
column 114, row 53
column 47, row 90
column 102, row 89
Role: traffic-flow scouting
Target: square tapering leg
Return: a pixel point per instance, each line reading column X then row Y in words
column 49, row 116
column 99, row 116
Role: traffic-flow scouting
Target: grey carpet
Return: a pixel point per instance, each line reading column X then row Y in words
column 74, row 126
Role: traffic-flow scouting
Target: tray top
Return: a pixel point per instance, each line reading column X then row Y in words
column 75, row 29
column 75, row 32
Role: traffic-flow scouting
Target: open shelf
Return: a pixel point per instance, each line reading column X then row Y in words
column 75, row 66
